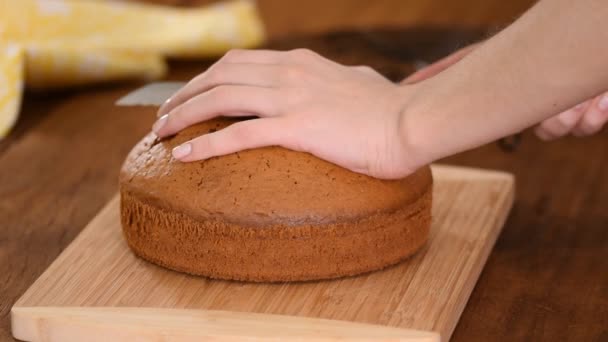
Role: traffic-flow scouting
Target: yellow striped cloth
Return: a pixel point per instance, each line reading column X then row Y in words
column 61, row 43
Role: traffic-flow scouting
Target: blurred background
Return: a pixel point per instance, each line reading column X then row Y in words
column 546, row 277
column 63, row 44
column 288, row 17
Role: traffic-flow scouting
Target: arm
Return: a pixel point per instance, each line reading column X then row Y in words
column 585, row 118
column 547, row 61
column 550, row 59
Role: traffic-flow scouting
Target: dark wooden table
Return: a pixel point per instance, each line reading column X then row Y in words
column 547, row 278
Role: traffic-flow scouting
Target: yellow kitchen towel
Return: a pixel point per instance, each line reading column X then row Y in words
column 11, row 85
column 58, row 43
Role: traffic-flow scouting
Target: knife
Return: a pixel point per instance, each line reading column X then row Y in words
column 153, row 94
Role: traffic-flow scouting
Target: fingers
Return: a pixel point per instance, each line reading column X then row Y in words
column 239, row 136
column 560, row 124
column 262, row 60
column 585, row 119
column 226, row 100
column 595, row 117
column 261, row 75
column 440, row 65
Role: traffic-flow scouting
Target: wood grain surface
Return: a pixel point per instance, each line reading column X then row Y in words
column 124, row 324
column 427, row 292
column 546, row 279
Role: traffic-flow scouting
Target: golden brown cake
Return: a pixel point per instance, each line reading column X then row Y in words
column 268, row 214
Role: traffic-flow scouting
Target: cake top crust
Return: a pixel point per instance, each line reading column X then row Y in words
column 264, row 186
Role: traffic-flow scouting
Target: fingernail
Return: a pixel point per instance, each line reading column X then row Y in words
column 182, row 150
column 159, row 123
column 163, row 108
column 603, row 104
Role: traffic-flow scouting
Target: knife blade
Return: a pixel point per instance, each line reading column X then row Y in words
column 152, row 94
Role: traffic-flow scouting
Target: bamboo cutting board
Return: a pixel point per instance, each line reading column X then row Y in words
column 98, row 290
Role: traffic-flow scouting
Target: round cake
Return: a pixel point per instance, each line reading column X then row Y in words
column 268, row 214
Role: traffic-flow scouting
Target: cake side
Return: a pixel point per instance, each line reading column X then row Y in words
column 222, row 250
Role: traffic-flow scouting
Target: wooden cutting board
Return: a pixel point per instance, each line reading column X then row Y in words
column 97, row 290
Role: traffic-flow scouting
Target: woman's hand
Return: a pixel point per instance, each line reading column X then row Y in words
column 584, row 119
column 350, row 116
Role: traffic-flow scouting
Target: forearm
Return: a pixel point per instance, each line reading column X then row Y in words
column 550, row 59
